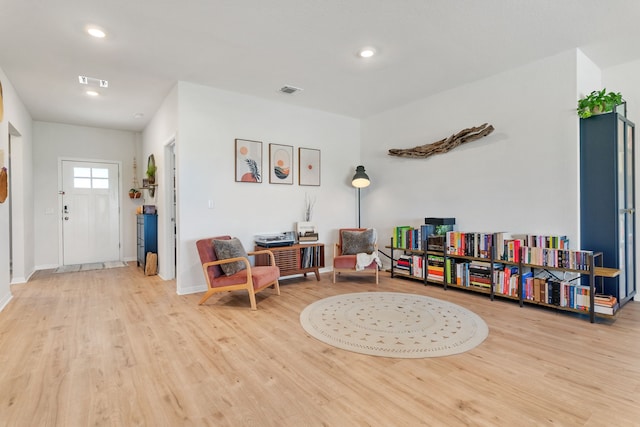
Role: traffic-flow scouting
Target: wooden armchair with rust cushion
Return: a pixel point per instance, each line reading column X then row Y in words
column 353, row 241
column 226, row 267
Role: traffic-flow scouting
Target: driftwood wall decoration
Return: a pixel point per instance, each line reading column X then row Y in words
column 444, row 145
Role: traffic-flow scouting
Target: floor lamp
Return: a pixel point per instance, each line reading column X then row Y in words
column 360, row 180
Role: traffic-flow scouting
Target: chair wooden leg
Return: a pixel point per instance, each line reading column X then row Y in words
column 334, row 276
column 376, row 275
column 277, row 287
column 206, row 296
column 252, row 298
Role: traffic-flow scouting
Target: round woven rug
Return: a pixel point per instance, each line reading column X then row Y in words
column 392, row 324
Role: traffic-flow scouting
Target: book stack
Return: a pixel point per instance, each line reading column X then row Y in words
column 404, row 263
column 480, row 274
column 557, row 258
column 457, row 272
column 411, row 265
column 309, row 236
column 435, row 268
column 605, row 304
column 406, row 237
column 506, row 280
column 470, row 244
column 417, row 269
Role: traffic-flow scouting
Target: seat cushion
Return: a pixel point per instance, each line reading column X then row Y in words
column 264, row 275
column 261, row 275
column 348, row 262
column 355, row 242
column 231, row 248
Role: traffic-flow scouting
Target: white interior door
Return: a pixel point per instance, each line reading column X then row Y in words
column 90, row 212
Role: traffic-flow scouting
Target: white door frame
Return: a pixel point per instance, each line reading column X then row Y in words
column 170, row 251
column 60, row 202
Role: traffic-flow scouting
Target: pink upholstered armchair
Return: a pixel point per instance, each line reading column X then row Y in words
column 345, row 253
column 232, row 271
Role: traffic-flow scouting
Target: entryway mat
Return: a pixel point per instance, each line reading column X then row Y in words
column 90, row 266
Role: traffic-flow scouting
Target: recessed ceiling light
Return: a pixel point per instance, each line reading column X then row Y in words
column 366, row 52
column 92, row 93
column 138, row 115
column 96, row 32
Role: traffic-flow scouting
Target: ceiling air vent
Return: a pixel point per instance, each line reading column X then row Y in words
column 288, row 89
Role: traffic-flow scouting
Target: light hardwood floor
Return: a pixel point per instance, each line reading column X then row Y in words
column 116, row 348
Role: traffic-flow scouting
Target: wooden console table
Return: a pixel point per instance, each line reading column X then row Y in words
column 295, row 259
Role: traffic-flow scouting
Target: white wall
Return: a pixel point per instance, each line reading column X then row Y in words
column 160, row 131
column 209, row 122
column 589, row 76
column 17, row 120
column 522, row 178
column 53, row 141
column 624, row 78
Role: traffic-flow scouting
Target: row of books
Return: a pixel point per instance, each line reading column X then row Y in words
column 508, row 246
column 566, row 294
column 411, row 265
column 311, row 257
column 435, row 268
column 476, row 245
column 542, row 241
column 406, row 237
column 558, row 258
column 506, row 282
column 468, row 274
column 547, row 251
column 556, row 292
column 415, row 238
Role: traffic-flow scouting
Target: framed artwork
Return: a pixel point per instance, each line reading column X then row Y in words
column 308, row 166
column 248, row 161
column 280, row 164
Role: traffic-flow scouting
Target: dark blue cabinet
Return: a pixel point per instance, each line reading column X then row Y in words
column 607, row 198
column 147, row 231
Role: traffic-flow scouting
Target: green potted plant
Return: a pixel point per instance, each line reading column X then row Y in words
column 151, row 173
column 598, row 102
column 134, row 193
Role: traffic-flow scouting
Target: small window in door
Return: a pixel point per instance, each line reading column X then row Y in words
column 97, row 178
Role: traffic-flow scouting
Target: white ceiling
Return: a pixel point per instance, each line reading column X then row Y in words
column 256, row 46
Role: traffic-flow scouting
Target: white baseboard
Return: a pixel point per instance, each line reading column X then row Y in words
column 5, row 300
column 21, row 280
column 191, row 289
column 46, row 266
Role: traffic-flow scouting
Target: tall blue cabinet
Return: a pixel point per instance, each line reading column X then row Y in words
column 607, row 198
column 147, row 232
